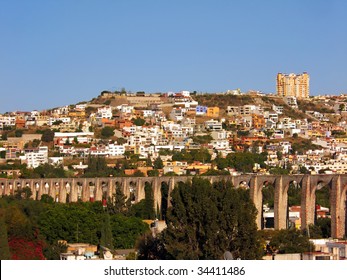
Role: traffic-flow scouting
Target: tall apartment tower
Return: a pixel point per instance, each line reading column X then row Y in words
column 293, row 85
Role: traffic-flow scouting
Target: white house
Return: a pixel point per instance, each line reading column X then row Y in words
column 36, row 157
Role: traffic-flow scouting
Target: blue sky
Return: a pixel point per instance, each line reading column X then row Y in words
column 55, row 53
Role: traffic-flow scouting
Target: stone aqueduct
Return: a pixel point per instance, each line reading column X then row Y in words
column 86, row 189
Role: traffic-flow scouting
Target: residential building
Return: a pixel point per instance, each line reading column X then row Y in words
column 200, row 110
column 293, row 85
column 213, row 112
column 36, row 157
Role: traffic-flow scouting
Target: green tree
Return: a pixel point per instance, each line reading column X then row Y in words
column 149, row 202
column 150, row 248
column 4, row 248
column 47, row 136
column 325, row 226
column 107, row 132
column 118, row 203
column 268, row 192
column 126, row 230
column 24, row 193
column 53, row 251
column 221, row 163
column 158, row 163
column 205, row 221
column 294, row 194
column 97, row 167
column 153, row 173
column 244, row 162
column 145, row 208
column 49, row 171
column 138, row 121
column 342, row 107
column 202, row 139
column 106, row 239
column 2, row 154
column 18, row 133
column 279, row 171
column 138, row 173
column 47, row 199
column 121, row 141
column 288, row 241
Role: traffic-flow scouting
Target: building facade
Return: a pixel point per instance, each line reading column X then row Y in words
column 293, row 85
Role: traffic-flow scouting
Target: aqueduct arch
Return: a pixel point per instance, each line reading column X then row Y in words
column 71, row 190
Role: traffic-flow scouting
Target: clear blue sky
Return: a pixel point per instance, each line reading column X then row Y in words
column 55, row 53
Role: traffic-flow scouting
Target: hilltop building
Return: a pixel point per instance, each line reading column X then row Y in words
column 293, row 85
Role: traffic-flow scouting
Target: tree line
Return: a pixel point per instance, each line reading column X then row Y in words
column 203, row 220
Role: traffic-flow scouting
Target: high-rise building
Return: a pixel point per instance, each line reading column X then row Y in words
column 293, row 85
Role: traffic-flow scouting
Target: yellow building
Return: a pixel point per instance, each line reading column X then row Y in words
column 293, row 85
column 212, row 112
column 258, row 121
column 77, row 114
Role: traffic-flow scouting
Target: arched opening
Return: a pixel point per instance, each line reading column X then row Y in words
column 268, row 202
column 10, row 186
column 132, row 190
column 37, row 189
column 104, row 189
column 2, row 189
column 243, row 184
column 118, row 203
column 322, row 217
column 46, row 188
column 56, row 185
column 68, row 190
column 293, row 205
column 79, row 190
column 91, row 185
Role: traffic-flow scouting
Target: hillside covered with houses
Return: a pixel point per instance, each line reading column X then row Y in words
column 183, row 133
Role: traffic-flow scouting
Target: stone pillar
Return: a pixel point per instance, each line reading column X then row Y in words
column 126, row 187
column 256, row 196
column 337, row 208
column 15, row 187
column 171, row 188
column 85, row 191
column 32, row 188
column 111, row 188
column 62, row 191
column 2, row 189
column 51, row 189
column 307, row 202
column 280, row 204
column 140, row 190
column 73, row 191
column 11, row 187
column 6, row 188
column 40, row 189
column 98, row 190
column 156, row 186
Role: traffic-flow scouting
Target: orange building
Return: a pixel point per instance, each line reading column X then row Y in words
column 108, row 122
column 258, row 121
column 20, row 123
column 212, row 112
column 123, row 123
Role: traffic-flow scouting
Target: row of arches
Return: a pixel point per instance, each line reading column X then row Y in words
column 285, row 191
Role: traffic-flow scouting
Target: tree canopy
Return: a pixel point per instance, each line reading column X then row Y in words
column 206, row 220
